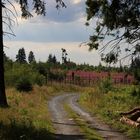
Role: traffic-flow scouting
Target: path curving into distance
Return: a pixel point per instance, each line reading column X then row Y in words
column 67, row 129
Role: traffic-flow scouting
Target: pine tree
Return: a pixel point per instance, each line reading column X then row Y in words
column 50, row 58
column 21, row 56
column 31, row 57
column 54, row 60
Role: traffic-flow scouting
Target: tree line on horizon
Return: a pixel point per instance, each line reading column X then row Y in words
column 23, row 58
column 23, row 74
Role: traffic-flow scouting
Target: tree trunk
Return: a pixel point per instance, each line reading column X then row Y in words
column 3, row 101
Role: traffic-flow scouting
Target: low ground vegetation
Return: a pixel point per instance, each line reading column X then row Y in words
column 89, row 133
column 27, row 116
column 107, row 106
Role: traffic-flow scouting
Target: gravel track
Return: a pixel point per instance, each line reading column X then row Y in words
column 66, row 129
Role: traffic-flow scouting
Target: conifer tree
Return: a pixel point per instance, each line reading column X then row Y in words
column 21, row 56
column 31, row 57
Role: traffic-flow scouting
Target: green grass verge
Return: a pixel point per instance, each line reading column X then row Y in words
column 88, row 132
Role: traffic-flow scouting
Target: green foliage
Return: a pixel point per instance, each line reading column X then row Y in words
column 41, row 72
column 58, row 75
column 22, row 130
column 23, row 73
column 105, row 85
column 40, row 79
column 117, row 22
column 135, row 92
column 24, row 84
column 31, row 57
column 6, row 58
column 21, row 56
column 17, row 71
column 135, row 68
column 108, row 106
column 111, row 57
column 23, row 112
column 52, row 59
column 41, row 68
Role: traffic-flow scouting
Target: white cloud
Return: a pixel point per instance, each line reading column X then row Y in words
column 51, row 31
column 59, row 29
column 76, row 1
column 62, row 25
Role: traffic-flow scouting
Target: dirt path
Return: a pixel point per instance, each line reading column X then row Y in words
column 66, row 129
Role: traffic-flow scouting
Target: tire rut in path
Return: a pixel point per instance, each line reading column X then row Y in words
column 104, row 130
column 66, row 129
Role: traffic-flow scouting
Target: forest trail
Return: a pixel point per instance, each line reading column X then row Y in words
column 67, row 129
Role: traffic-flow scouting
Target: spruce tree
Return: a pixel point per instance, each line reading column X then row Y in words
column 31, row 57
column 21, row 56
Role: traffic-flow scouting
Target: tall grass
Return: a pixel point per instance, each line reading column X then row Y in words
column 27, row 116
column 108, row 106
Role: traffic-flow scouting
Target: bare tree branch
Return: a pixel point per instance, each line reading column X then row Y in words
column 9, row 33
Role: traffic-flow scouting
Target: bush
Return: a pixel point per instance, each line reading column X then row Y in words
column 24, row 84
column 16, row 75
column 106, row 85
column 40, row 80
column 135, row 91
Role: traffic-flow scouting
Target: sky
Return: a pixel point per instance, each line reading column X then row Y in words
column 44, row 35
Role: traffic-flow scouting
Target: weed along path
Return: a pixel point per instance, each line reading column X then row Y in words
column 68, row 128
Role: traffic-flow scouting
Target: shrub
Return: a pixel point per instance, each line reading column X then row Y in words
column 24, row 84
column 135, row 91
column 105, row 85
column 40, row 80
